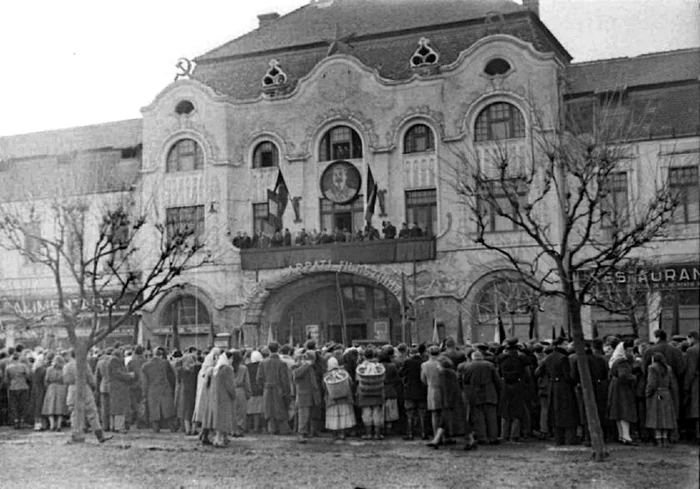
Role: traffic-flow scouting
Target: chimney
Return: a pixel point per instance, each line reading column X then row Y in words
column 267, row 19
column 533, row 6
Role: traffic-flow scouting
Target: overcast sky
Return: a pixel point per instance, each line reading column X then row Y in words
column 77, row 62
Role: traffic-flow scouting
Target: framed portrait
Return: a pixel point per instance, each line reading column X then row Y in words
column 341, row 182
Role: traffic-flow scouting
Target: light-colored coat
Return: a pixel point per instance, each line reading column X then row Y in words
column 222, row 399
column 430, row 376
column 119, row 387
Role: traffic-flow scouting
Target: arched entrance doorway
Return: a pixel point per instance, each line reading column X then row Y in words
column 317, row 305
column 504, row 306
column 185, row 321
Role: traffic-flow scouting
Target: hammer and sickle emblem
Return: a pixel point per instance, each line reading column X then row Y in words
column 184, row 67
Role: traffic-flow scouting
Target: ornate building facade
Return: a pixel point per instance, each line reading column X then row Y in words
column 328, row 95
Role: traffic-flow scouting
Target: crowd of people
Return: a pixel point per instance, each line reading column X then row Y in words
column 435, row 392
column 281, row 238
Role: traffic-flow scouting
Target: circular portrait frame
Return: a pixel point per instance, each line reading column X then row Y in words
column 341, row 182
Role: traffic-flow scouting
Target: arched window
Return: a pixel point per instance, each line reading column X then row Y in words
column 186, row 311
column 340, row 143
column 185, row 155
column 505, row 305
column 418, row 138
column 499, row 121
column 265, row 155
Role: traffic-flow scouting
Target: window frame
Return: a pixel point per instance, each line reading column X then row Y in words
column 483, row 204
column 355, row 208
column 328, row 145
column 260, row 219
column 614, row 193
column 173, row 163
column 173, row 226
column 411, row 207
column 177, row 307
column 410, row 138
column 683, row 186
column 487, row 119
column 258, row 151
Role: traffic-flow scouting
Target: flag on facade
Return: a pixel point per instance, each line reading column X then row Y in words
column 460, row 333
column 277, row 201
column 291, row 330
column 270, row 338
column 554, row 333
column 500, row 332
column 372, row 191
column 562, row 333
column 436, row 336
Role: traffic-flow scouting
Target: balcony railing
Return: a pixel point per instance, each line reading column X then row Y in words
column 377, row 251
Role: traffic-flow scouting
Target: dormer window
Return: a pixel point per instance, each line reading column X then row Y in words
column 497, row 66
column 185, row 155
column 425, row 55
column 274, row 76
column 340, row 143
column 265, row 155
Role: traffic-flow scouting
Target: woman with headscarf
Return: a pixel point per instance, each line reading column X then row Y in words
column 255, row 403
column 243, row 392
column 186, row 374
column 661, row 410
column 202, row 413
column 38, row 391
column 55, row 406
column 222, row 398
column 340, row 414
column 622, row 403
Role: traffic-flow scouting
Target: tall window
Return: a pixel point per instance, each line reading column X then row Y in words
column 346, row 217
column 32, row 240
column 260, row 221
column 340, row 143
column 186, row 311
column 614, row 205
column 496, row 203
column 418, row 139
column 185, row 221
column 421, row 208
column 684, row 183
column 265, row 155
column 185, row 155
column 499, row 121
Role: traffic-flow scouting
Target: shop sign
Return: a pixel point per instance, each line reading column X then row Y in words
column 662, row 277
column 312, row 332
column 29, row 307
column 381, row 330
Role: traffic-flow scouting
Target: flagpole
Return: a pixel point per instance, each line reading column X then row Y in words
column 341, row 306
column 403, row 308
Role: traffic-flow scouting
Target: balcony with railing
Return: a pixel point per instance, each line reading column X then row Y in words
column 365, row 252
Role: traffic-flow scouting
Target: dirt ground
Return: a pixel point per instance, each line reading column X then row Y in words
column 141, row 459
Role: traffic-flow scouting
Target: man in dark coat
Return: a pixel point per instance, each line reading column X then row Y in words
column 136, row 414
column 599, row 377
column 273, row 375
column 562, row 395
column 102, row 378
column 307, row 394
column 481, row 387
column 513, row 367
column 691, row 385
column 415, row 394
column 119, row 386
column 159, row 386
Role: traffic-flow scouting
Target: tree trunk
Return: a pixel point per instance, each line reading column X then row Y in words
column 595, row 429
column 81, row 386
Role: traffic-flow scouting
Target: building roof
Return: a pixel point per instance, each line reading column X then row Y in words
column 382, row 34
column 646, row 69
column 320, row 21
column 74, row 161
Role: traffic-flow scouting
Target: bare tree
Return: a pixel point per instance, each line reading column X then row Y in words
column 106, row 263
column 557, row 198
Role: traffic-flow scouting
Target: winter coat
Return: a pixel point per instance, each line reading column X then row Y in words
column 222, row 398
column 159, row 384
column 255, row 388
column 119, row 387
column 599, row 377
column 370, row 392
column 449, row 387
column 430, row 376
column 562, row 396
column 661, row 409
column 308, row 391
column 513, row 368
column 17, row 375
column 187, row 382
column 56, row 393
column 102, row 374
column 392, row 381
column 481, row 383
column 134, row 366
column 273, row 375
column 38, row 391
column 622, row 403
column 413, row 387
column 691, row 383
column 202, row 412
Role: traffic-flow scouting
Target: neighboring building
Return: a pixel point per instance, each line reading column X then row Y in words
column 338, row 88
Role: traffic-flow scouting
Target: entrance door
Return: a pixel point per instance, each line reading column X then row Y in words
column 343, row 221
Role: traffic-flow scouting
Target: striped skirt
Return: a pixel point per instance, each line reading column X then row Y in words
column 340, row 416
